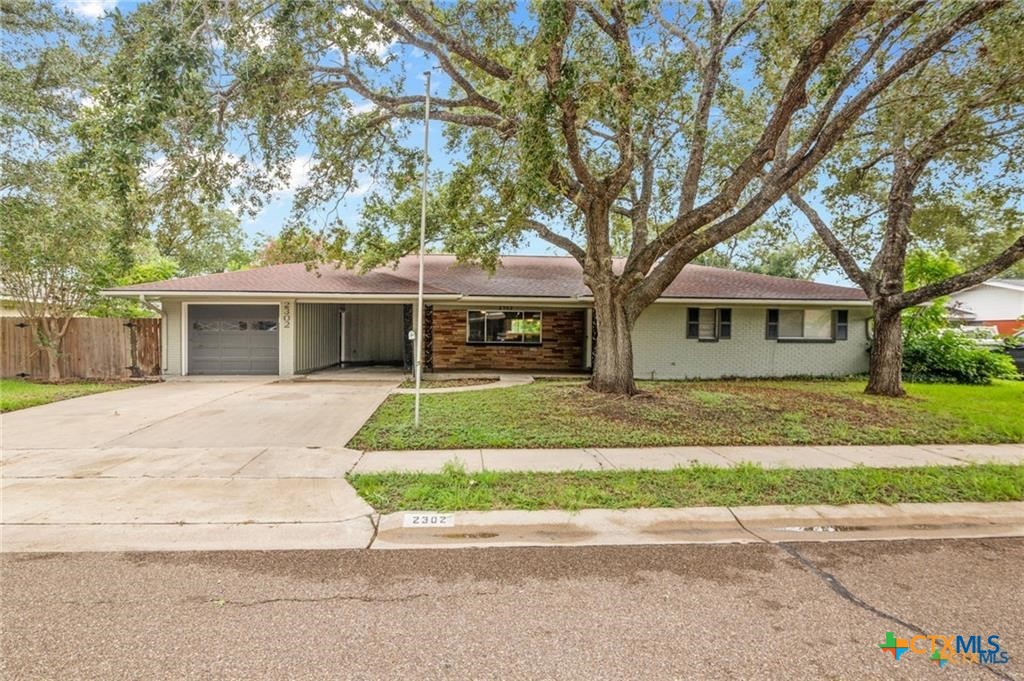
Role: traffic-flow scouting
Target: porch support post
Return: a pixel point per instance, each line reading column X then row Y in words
column 286, row 337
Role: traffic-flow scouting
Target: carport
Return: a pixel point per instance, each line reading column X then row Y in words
column 348, row 334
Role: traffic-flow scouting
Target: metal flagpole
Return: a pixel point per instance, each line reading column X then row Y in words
column 423, row 236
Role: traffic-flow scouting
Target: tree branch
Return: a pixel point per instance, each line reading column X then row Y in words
column 793, row 98
column 427, row 25
column 472, row 94
column 845, row 258
column 556, row 239
column 698, row 138
column 1013, row 254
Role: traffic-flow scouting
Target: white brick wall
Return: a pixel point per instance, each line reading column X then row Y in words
column 661, row 349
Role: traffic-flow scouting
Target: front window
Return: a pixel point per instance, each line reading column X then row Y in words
column 503, row 326
column 812, row 324
column 708, row 323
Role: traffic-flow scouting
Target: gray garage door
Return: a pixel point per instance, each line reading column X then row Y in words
column 232, row 339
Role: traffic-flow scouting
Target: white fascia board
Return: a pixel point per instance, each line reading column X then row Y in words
column 277, row 295
column 1001, row 284
column 768, row 302
column 587, row 301
column 579, row 301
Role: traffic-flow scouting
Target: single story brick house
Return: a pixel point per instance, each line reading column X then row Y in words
column 533, row 314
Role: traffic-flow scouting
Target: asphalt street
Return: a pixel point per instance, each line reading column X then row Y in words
column 656, row 612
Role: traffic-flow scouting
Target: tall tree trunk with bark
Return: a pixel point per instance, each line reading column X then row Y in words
column 885, row 373
column 613, row 353
column 613, row 356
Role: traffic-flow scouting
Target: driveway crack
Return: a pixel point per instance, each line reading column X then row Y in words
column 246, row 464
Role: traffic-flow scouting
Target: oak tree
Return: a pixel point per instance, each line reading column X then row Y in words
column 942, row 151
column 686, row 120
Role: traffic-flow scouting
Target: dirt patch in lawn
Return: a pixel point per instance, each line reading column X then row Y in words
column 449, row 383
column 683, row 406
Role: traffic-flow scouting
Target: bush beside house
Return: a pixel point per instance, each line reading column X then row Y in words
column 952, row 357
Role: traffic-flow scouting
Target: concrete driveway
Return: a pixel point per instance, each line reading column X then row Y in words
column 188, row 464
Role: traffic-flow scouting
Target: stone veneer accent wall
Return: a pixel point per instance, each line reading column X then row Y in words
column 561, row 348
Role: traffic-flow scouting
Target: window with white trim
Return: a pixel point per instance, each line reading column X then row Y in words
column 513, row 327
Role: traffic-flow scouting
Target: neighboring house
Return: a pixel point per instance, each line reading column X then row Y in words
column 996, row 302
column 533, row 314
column 8, row 305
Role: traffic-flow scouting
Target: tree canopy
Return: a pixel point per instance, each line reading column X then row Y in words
column 686, row 120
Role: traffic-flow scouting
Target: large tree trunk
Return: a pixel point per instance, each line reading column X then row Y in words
column 613, row 356
column 885, row 377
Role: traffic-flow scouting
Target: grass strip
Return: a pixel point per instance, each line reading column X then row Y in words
column 455, row 490
column 18, row 394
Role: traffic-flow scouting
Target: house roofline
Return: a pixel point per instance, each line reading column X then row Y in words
column 586, row 300
column 1001, row 284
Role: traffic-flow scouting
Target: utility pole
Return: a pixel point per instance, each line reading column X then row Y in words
column 423, row 238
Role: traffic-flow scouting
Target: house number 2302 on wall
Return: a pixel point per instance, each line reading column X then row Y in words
column 286, row 315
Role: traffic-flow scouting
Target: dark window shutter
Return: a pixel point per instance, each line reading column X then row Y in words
column 771, row 326
column 693, row 322
column 840, row 324
column 725, row 322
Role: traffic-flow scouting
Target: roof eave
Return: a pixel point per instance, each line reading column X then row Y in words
column 1002, row 284
column 454, row 297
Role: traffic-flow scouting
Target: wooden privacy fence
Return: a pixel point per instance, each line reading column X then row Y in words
column 98, row 348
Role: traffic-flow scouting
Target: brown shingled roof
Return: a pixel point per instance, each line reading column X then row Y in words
column 518, row 276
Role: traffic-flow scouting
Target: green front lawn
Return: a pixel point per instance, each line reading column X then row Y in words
column 565, row 413
column 455, row 490
column 18, row 394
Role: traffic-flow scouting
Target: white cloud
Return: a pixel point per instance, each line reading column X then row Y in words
column 154, row 171
column 90, row 9
column 262, row 34
column 363, row 107
column 379, row 47
column 364, row 183
column 298, row 176
column 298, row 172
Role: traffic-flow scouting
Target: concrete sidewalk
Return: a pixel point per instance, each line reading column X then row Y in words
column 667, row 458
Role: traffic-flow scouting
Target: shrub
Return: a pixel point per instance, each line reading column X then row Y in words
column 950, row 357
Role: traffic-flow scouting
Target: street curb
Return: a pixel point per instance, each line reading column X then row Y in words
column 707, row 525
